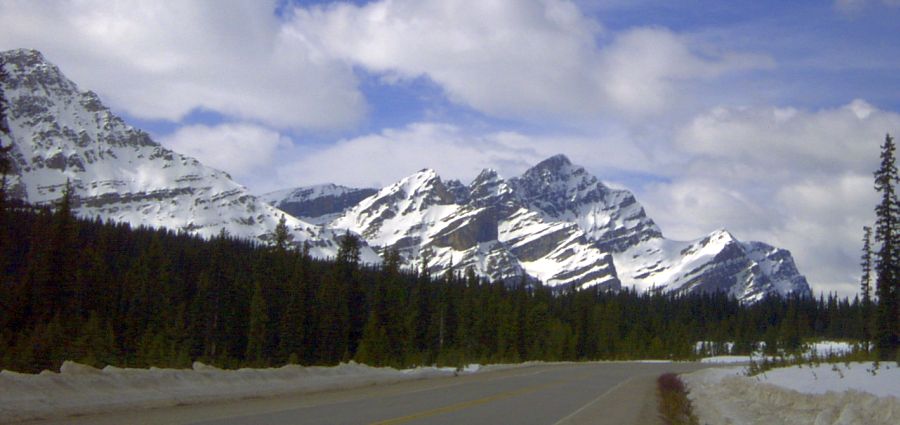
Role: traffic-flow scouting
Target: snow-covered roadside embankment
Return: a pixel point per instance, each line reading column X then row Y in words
column 80, row 389
column 822, row 395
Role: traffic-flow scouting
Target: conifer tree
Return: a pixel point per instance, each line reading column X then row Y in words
column 259, row 320
column 348, row 258
column 292, row 328
column 887, row 258
column 333, row 320
column 865, row 285
column 282, row 237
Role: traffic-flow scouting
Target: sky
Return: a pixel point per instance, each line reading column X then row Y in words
column 761, row 117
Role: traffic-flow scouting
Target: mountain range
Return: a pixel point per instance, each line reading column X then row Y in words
column 555, row 223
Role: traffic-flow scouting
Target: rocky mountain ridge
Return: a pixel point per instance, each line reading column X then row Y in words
column 60, row 133
column 555, row 223
column 558, row 223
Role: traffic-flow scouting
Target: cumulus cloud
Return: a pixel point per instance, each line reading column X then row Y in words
column 161, row 60
column 543, row 59
column 516, row 59
column 789, row 141
column 243, row 150
column 795, row 178
column 455, row 153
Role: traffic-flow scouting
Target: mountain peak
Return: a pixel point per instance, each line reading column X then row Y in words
column 487, row 174
column 29, row 62
column 22, row 54
column 555, row 162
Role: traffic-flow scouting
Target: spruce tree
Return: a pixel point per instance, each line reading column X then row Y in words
column 259, row 320
column 282, row 237
column 887, row 219
column 865, row 285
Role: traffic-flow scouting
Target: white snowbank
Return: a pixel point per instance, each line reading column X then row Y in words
column 80, row 389
column 727, row 359
column 821, row 349
column 822, row 395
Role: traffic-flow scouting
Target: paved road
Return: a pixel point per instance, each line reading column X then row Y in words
column 577, row 393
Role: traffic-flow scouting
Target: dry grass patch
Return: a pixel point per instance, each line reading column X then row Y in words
column 674, row 406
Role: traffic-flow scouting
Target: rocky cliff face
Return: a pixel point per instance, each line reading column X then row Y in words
column 559, row 224
column 60, row 133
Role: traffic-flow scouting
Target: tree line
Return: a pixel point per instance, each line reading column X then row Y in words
column 103, row 293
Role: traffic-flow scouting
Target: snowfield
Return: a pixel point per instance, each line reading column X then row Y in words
column 826, row 394
column 80, row 389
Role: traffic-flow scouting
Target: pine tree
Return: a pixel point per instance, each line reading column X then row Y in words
column 887, row 266
column 256, row 334
column 292, row 329
column 865, row 285
column 333, row 320
column 282, row 237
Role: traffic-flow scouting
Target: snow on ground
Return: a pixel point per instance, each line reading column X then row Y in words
column 821, row 349
column 826, row 394
column 80, row 389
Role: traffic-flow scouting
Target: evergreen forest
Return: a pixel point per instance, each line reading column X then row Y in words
column 107, row 294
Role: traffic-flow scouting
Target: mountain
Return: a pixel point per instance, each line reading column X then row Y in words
column 60, row 133
column 557, row 223
column 491, row 231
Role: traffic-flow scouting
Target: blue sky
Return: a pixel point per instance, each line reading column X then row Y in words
column 763, row 117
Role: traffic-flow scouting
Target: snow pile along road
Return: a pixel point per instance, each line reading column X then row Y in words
column 827, row 394
column 80, row 389
column 820, row 349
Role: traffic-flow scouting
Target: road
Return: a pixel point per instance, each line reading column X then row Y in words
column 570, row 393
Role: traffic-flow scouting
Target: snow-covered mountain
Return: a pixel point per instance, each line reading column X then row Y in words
column 556, row 223
column 117, row 172
column 490, row 231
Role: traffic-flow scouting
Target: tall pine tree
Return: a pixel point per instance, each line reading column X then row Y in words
column 865, row 286
column 887, row 219
column 256, row 333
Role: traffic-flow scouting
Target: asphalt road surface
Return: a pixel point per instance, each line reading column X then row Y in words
column 571, row 393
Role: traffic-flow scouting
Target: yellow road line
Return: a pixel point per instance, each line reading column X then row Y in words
column 469, row 403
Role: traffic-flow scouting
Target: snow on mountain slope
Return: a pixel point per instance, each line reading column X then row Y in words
column 717, row 262
column 565, row 192
column 489, row 231
column 117, row 172
column 559, row 224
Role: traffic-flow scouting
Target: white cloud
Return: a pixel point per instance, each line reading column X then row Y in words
column 782, row 143
column 691, row 207
column 161, row 60
column 640, row 71
column 244, row 151
column 455, row 153
column 516, row 59
column 801, row 180
column 380, row 159
column 541, row 60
